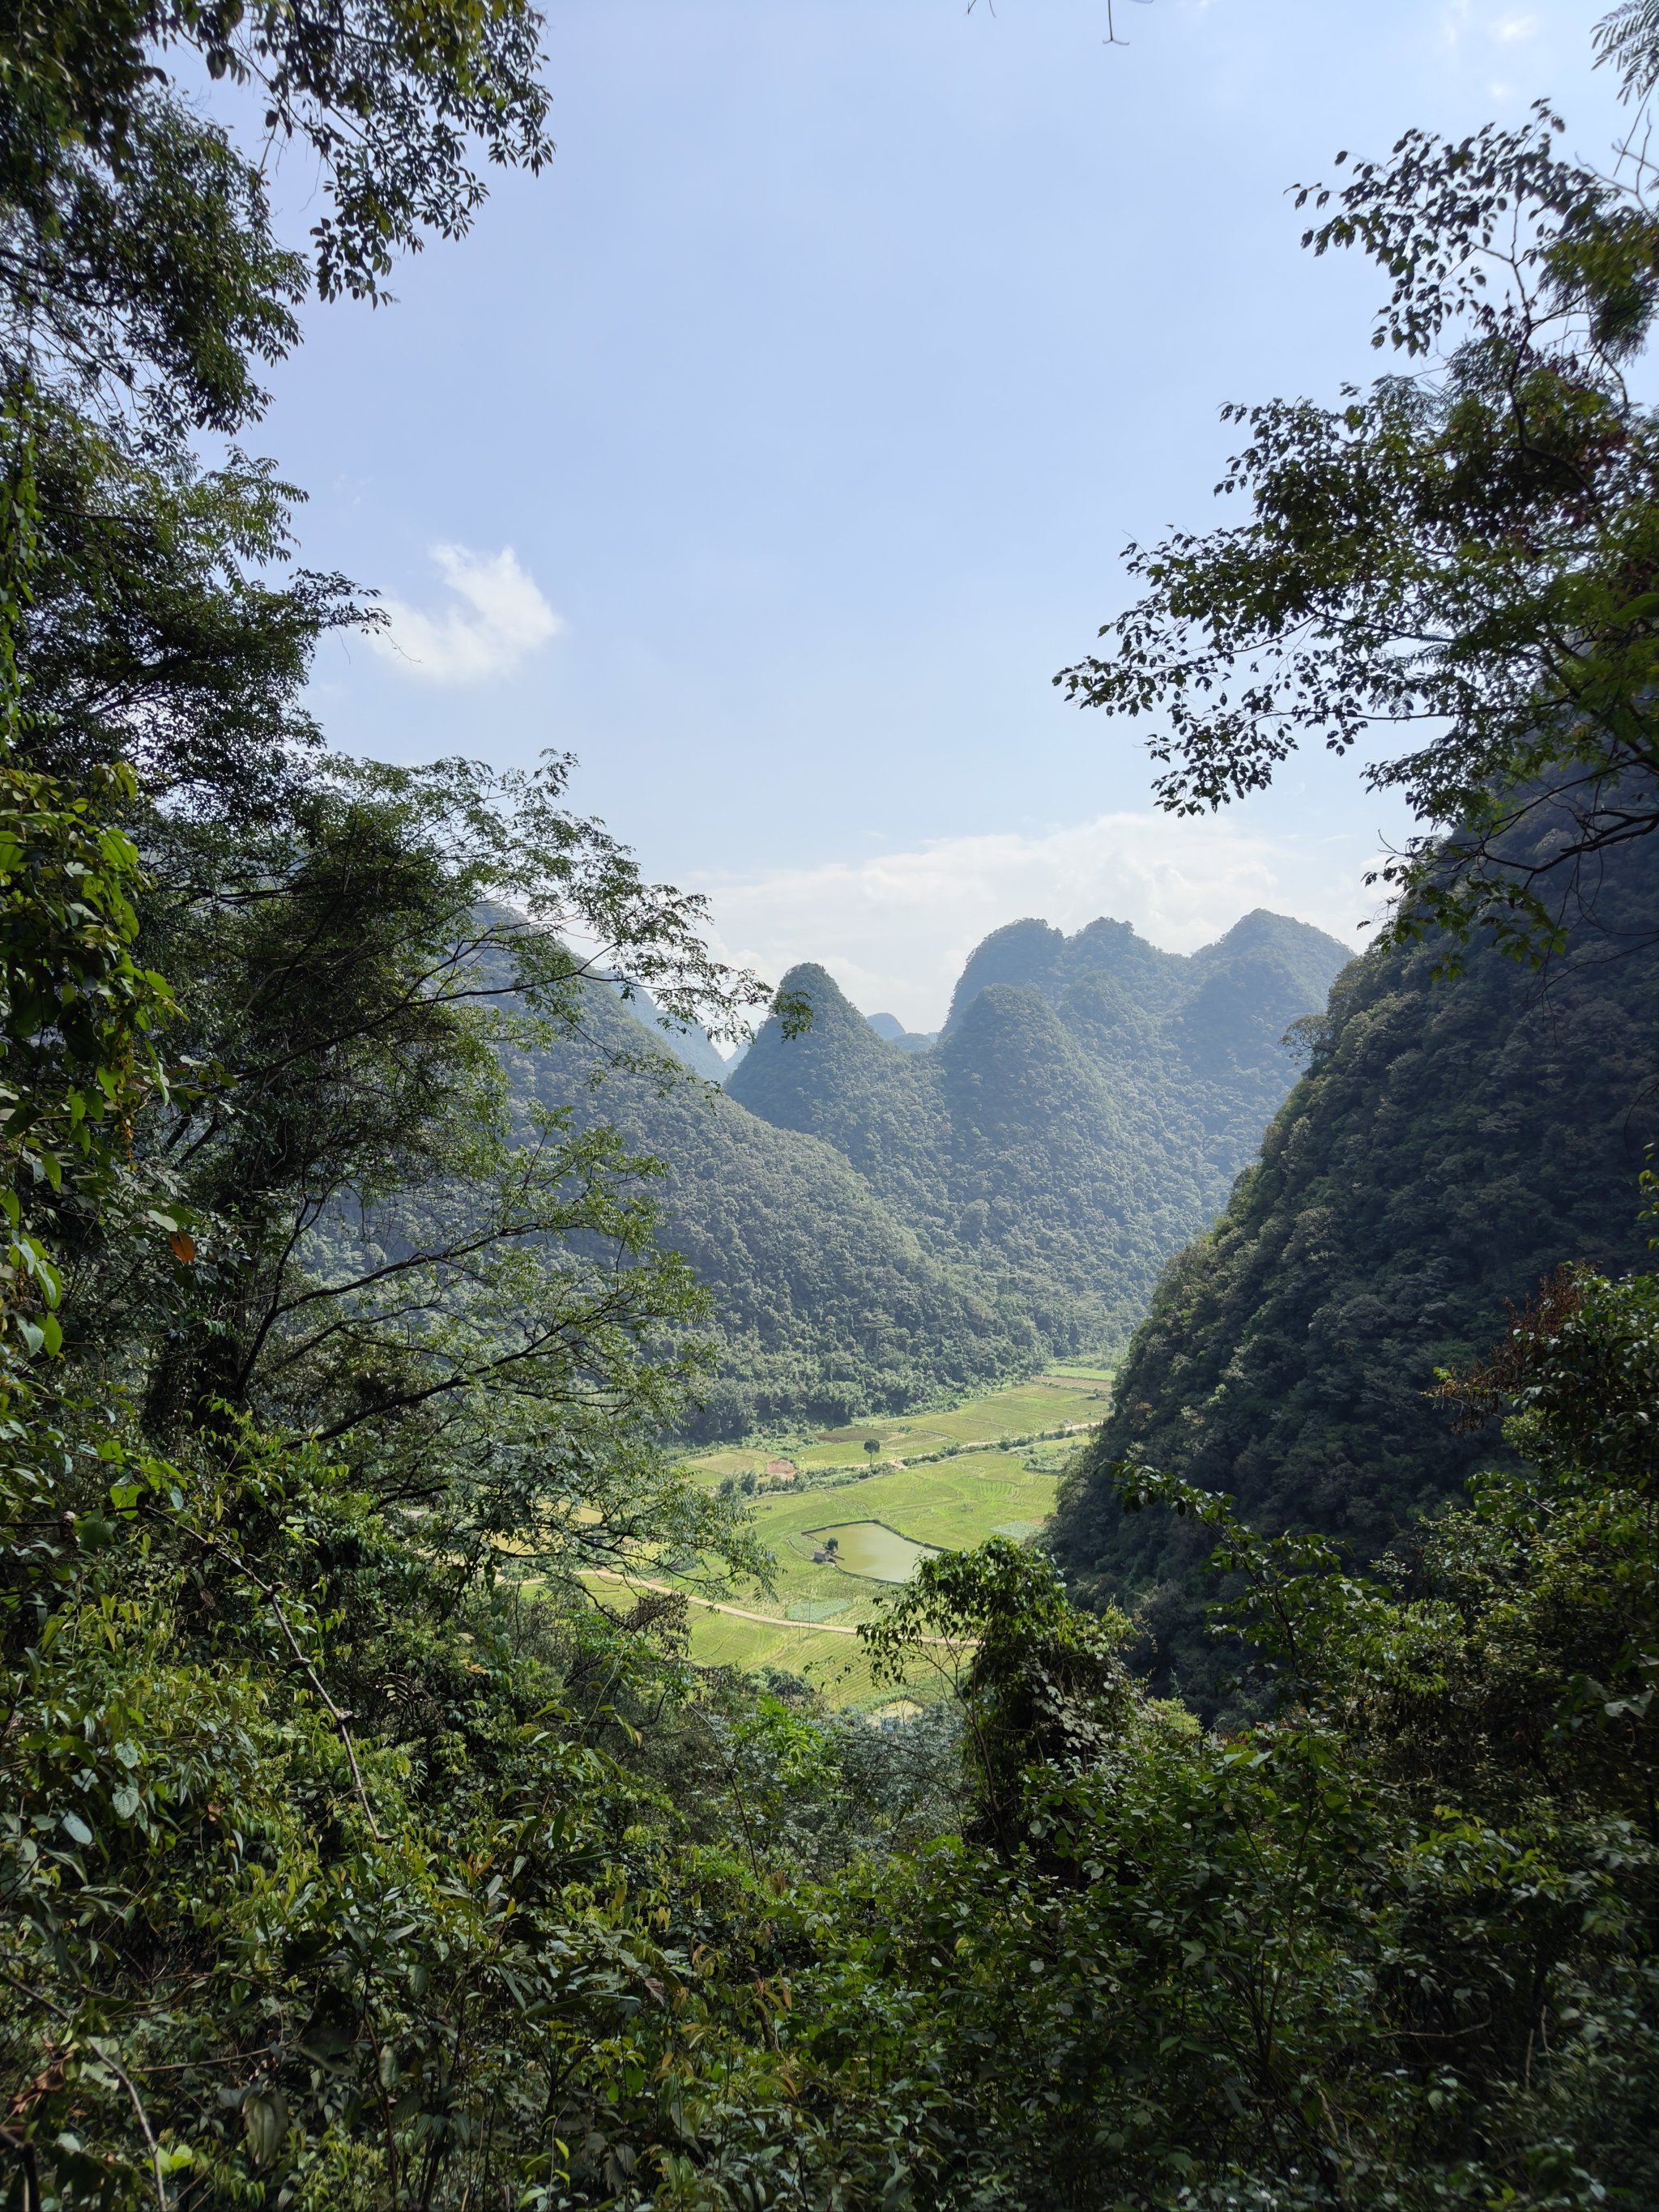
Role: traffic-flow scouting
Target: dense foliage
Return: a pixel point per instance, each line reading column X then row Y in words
column 139, row 250
column 353, row 1853
column 334, row 1880
column 1082, row 1115
column 1454, row 1140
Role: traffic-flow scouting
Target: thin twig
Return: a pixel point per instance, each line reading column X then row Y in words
column 97, row 2045
column 267, row 1591
column 125, row 2081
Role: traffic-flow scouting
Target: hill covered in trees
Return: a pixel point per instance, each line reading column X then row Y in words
column 825, row 1303
column 1454, row 1140
column 1084, row 1113
column 878, row 1219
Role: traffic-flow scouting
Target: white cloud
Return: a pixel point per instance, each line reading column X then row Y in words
column 496, row 616
column 895, row 930
column 1461, row 20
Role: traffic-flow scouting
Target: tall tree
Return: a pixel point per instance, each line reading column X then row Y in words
column 138, row 252
column 1454, row 571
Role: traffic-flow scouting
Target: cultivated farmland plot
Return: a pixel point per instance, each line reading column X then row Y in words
column 988, row 1466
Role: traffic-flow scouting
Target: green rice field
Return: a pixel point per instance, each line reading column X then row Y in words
column 884, row 1515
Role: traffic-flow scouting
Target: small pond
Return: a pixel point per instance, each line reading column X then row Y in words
column 872, row 1549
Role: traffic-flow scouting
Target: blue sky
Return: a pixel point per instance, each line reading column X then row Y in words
column 772, row 449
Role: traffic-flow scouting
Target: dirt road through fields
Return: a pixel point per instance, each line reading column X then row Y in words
column 766, row 1619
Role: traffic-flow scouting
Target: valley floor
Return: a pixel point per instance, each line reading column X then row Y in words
column 942, row 1480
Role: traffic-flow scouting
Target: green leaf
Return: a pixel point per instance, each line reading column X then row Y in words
column 265, row 2123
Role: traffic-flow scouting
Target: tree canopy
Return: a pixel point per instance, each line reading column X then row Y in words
column 139, row 251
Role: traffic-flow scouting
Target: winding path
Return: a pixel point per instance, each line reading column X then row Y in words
column 766, row 1619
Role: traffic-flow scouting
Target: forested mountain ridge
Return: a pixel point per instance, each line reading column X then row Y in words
column 1455, row 1139
column 825, row 1303
column 897, row 1221
column 1035, row 953
column 688, row 1041
column 1084, row 1111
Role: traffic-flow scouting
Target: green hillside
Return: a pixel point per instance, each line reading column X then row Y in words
column 1084, row 1112
column 687, row 1041
column 880, row 1221
column 1454, row 1138
column 826, row 1305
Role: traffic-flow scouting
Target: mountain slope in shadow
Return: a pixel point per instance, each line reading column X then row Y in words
column 1454, row 1138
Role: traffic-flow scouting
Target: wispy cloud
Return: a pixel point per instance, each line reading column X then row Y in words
column 895, row 930
column 1462, row 20
column 496, row 616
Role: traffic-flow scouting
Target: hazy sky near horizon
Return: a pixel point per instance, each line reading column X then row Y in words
column 772, row 449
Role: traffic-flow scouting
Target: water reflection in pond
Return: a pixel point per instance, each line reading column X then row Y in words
column 870, row 1549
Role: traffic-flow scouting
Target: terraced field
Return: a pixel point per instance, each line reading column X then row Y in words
column 988, row 1485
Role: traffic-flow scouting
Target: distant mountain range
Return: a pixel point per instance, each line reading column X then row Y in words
column 880, row 1217
column 891, row 1027
column 1085, row 1110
